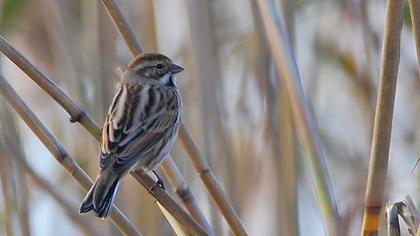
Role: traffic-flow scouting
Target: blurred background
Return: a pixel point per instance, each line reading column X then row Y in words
column 234, row 106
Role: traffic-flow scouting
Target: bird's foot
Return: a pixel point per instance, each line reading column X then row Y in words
column 158, row 183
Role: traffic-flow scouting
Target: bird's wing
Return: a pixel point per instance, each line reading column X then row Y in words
column 139, row 117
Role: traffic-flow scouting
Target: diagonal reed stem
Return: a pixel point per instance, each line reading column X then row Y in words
column 306, row 126
column 202, row 168
column 78, row 114
column 123, row 27
column 378, row 167
column 59, row 152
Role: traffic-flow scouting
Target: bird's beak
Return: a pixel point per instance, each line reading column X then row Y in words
column 176, row 69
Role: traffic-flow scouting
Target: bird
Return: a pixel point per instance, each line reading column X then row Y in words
column 140, row 128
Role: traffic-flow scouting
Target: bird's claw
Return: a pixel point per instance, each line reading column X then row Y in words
column 158, row 183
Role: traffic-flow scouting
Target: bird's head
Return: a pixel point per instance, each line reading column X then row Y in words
column 155, row 66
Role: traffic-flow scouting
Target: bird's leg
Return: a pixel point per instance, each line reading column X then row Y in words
column 158, row 183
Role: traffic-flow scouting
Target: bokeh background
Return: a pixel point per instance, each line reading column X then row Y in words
column 233, row 104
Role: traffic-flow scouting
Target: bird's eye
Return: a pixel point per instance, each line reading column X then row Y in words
column 159, row 66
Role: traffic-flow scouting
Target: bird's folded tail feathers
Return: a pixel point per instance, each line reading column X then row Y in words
column 101, row 196
column 87, row 204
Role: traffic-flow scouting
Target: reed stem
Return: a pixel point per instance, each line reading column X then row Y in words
column 307, row 130
column 378, row 167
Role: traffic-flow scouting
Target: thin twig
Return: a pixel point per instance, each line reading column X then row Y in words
column 306, row 126
column 415, row 165
column 58, row 152
column 70, row 106
column 206, row 175
column 375, row 189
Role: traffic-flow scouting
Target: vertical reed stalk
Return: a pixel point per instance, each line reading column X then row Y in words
column 378, row 167
column 5, row 179
column 12, row 145
column 23, row 208
column 306, row 126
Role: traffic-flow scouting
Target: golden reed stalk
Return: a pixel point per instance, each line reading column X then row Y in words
column 378, row 167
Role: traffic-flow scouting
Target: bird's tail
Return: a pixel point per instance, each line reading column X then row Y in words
column 101, row 196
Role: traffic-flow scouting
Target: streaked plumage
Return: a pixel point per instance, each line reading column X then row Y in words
column 140, row 128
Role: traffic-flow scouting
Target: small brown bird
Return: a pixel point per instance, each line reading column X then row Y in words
column 140, row 128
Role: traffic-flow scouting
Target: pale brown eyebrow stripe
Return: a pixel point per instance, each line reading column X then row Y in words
column 149, row 56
